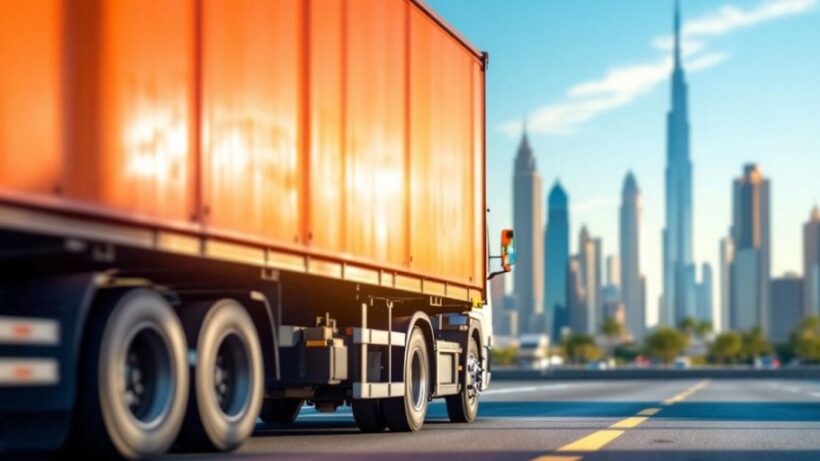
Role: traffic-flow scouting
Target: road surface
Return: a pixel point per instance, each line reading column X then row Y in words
column 735, row 420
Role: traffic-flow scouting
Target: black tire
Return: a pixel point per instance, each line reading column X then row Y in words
column 463, row 407
column 369, row 415
column 406, row 414
column 138, row 413
column 227, row 378
column 281, row 411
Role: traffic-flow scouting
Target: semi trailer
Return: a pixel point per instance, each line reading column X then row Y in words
column 217, row 211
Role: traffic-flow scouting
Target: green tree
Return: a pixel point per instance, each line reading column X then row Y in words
column 727, row 348
column 688, row 326
column 755, row 344
column 666, row 344
column 805, row 341
column 703, row 328
column 579, row 348
column 504, row 356
column 612, row 330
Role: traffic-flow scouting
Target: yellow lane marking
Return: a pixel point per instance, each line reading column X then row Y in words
column 557, row 458
column 629, row 423
column 685, row 394
column 649, row 412
column 593, row 441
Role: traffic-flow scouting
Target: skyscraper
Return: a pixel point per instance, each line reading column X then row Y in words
column 678, row 289
column 576, row 294
column 786, row 308
column 703, row 304
column 633, row 292
column 750, row 234
column 811, row 263
column 556, row 248
column 589, row 259
column 727, row 255
column 529, row 279
column 503, row 316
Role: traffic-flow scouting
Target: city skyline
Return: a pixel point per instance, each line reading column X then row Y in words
column 631, row 136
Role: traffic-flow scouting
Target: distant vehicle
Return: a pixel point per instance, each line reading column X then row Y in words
column 605, row 364
column 682, row 363
column 533, row 351
column 767, row 363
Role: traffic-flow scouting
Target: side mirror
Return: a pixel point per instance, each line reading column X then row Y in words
column 508, row 253
column 508, row 249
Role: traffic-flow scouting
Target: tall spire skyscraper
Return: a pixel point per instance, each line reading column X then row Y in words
column 528, row 286
column 678, row 289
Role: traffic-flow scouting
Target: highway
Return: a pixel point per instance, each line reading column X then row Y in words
column 572, row 420
column 732, row 420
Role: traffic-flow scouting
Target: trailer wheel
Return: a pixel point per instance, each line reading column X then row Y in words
column 463, row 407
column 227, row 377
column 369, row 415
column 406, row 414
column 281, row 411
column 134, row 377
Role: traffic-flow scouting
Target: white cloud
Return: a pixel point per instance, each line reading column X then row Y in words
column 729, row 17
column 706, row 61
column 623, row 84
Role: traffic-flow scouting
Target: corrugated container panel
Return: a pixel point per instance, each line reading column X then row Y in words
column 250, row 106
column 441, row 153
column 130, row 122
column 374, row 132
column 479, row 244
column 327, row 187
column 30, row 95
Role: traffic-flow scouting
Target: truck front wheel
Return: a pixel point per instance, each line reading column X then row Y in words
column 406, row 414
column 135, row 379
column 463, row 407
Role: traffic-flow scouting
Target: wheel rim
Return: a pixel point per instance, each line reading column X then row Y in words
column 418, row 383
column 232, row 385
column 148, row 382
column 472, row 366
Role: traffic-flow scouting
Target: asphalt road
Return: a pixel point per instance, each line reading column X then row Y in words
column 589, row 420
column 733, row 420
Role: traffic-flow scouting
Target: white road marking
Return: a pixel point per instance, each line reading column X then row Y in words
column 791, row 388
column 815, row 394
column 514, row 390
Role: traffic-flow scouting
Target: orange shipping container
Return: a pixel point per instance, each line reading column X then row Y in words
column 346, row 130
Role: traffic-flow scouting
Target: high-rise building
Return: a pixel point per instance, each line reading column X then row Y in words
column 529, row 278
column 589, row 258
column 786, row 309
column 556, row 248
column 750, row 235
column 613, row 272
column 612, row 306
column 678, row 289
column 703, row 300
column 501, row 308
column 811, row 263
column 633, row 292
column 576, row 294
column 727, row 255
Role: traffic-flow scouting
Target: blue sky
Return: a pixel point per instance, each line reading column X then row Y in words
column 591, row 78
